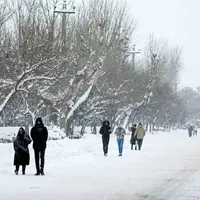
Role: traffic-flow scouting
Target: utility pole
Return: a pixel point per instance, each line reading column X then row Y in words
column 134, row 52
column 64, row 12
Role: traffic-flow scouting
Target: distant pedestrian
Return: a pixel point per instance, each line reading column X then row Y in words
column 39, row 135
column 120, row 133
column 139, row 135
column 22, row 156
column 190, row 130
column 133, row 138
column 195, row 129
column 105, row 131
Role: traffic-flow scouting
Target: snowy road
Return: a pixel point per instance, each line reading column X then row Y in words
column 168, row 168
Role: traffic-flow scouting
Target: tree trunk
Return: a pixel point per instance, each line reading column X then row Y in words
column 32, row 119
column 68, row 126
column 83, row 128
column 94, row 129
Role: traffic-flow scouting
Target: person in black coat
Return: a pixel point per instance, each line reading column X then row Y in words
column 190, row 130
column 105, row 131
column 22, row 156
column 39, row 135
column 133, row 138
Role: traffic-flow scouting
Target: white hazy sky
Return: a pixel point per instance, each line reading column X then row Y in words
column 177, row 21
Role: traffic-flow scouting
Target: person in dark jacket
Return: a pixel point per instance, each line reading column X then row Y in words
column 105, row 131
column 133, row 139
column 190, row 130
column 22, row 156
column 39, row 135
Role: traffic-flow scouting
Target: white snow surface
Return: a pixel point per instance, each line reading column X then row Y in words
column 167, row 168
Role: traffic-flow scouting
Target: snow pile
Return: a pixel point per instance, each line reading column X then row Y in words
column 56, row 134
column 7, row 134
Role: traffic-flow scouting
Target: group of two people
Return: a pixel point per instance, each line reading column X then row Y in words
column 192, row 130
column 137, row 136
column 39, row 135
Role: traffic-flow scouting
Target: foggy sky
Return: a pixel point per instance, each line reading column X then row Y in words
column 176, row 20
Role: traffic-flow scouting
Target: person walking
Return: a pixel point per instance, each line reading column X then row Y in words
column 190, row 130
column 133, row 139
column 39, row 135
column 139, row 135
column 195, row 130
column 120, row 133
column 22, row 156
column 105, row 131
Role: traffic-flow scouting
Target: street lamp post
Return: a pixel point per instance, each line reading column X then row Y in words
column 133, row 53
column 64, row 12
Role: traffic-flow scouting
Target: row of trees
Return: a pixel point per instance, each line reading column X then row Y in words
column 83, row 74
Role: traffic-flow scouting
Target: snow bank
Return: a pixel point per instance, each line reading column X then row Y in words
column 7, row 134
column 56, row 134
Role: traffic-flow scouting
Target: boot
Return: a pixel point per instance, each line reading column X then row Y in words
column 17, row 169
column 38, row 173
column 42, row 172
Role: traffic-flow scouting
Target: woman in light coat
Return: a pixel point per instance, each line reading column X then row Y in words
column 120, row 133
column 139, row 135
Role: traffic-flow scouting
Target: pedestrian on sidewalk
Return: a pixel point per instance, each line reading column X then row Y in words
column 139, row 135
column 22, row 156
column 133, row 139
column 190, row 130
column 105, row 131
column 195, row 130
column 120, row 133
column 39, row 135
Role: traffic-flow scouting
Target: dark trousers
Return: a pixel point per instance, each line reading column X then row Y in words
column 105, row 141
column 190, row 133
column 39, row 160
column 133, row 145
column 23, row 168
column 139, row 142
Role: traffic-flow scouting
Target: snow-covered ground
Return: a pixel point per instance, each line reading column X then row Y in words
column 167, row 168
